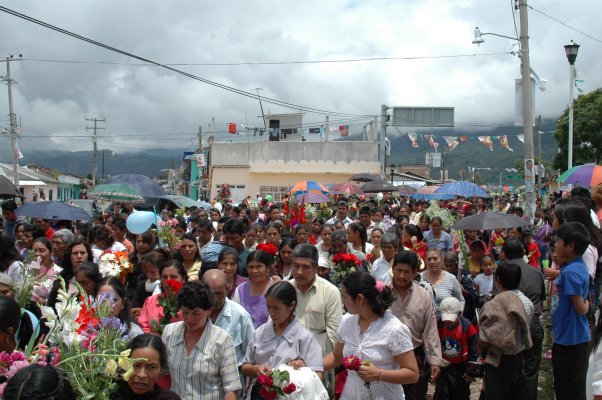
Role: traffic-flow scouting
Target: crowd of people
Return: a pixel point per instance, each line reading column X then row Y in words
column 423, row 304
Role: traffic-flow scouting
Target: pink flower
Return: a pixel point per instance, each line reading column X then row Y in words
column 17, row 356
column 380, row 286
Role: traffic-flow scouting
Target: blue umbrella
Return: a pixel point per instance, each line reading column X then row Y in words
column 53, row 210
column 144, row 185
column 432, row 196
column 462, row 188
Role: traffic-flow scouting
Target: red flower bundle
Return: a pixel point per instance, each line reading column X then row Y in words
column 345, row 264
column 274, row 384
column 167, row 300
column 269, row 248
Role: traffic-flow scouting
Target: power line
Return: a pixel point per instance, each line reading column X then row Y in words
column 228, row 64
column 564, row 24
column 186, row 74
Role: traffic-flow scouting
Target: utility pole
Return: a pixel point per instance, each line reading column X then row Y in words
column 383, row 135
column 539, row 159
column 261, row 106
column 13, row 122
column 326, row 128
column 525, row 69
column 95, row 128
column 201, row 170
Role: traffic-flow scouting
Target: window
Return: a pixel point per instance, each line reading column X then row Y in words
column 277, row 192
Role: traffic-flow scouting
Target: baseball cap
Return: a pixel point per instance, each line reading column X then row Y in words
column 324, row 262
column 450, row 307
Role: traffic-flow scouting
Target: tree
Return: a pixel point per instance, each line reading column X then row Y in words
column 587, row 131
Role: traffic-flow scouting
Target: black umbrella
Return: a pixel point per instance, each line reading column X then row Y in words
column 53, row 210
column 378, row 186
column 363, row 177
column 7, row 189
column 144, row 185
column 489, row 220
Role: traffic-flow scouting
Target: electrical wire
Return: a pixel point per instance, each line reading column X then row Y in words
column 180, row 72
column 564, row 24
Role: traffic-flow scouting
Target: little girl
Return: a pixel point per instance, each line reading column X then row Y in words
column 484, row 281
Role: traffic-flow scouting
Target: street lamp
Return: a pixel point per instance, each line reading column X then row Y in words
column 571, row 50
column 478, row 36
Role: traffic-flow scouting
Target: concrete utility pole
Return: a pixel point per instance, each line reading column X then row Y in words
column 13, row 123
column 326, row 128
column 539, row 159
column 95, row 128
column 383, row 135
column 525, row 69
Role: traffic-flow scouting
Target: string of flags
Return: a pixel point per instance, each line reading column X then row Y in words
column 244, row 129
column 453, row 141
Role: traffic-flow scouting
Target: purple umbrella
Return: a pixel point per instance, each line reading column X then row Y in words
column 313, row 198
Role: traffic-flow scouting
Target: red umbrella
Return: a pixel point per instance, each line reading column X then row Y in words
column 346, row 188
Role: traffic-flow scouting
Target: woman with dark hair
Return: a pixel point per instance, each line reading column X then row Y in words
column 325, row 235
column 413, row 239
column 284, row 262
column 316, row 231
column 14, row 324
column 444, row 284
column 202, row 357
column 424, row 222
column 148, row 282
column 172, row 270
column 358, row 240
column 227, row 261
column 9, row 257
column 437, row 237
column 88, row 276
column 189, row 255
column 267, row 350
column 273, row 233
column 251, row 294
column 369, row 331
column 301, row 234
column 114, row 291
column 150, row 354
column 36, row 382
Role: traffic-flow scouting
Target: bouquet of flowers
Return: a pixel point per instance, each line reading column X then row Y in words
column 9, row 365
column 35, row 282
column 446, row 215
column 318, row 211
column 167, row 233
column 275, row 384
column 224, row 193
column 115, row 264
column 353, row 363
column 344, row 264
column 293, row 214
column 167, row 300
column 87, row 343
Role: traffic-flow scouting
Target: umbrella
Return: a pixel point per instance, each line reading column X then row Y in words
column 115, row 192
column 345, row 188
column 489, row 220
column 583, row 175
column 365, row 177
column 462, row 188
column 313, row 198
column 7, row 189
column 53, row 210
column 302, row 187
column 428, row 189
column 406, row 189
column 378, row 186
column 143, row 185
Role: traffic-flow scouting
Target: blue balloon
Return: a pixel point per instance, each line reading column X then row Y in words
column 140, row 221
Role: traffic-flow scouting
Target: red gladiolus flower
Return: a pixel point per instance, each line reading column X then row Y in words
column 290, row 388
column 269, row 248
column 265, row 380
column 267, row 394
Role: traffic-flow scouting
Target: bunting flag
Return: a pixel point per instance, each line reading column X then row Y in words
column 432, row 142
column 344, row 130
column 451, row 142
column 18, row 153
column 414, row 139
column 486, row 140
column 521, row 138
column 232, row 128
column 541, row 83
column 504, row 142
column 387, row 147
column 463, row 138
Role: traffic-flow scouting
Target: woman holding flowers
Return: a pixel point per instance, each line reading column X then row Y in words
column 372, row 343
column 251, row 294
column 227, row 261
column 77, row 253
column 202, row 358
column 113, row 289
column 47, row 272
column 152, row 316
column 150, row 363
column 283, row 340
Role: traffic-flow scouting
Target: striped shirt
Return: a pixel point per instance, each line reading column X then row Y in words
column 448, row 287
column 209, row 371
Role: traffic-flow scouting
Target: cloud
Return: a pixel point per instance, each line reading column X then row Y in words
column 150, row 107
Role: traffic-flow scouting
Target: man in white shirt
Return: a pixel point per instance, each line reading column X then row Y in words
column 341, row 215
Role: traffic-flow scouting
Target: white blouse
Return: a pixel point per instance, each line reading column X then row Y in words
column 384, row 339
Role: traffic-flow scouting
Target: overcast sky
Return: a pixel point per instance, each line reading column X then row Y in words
column 150, row 107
